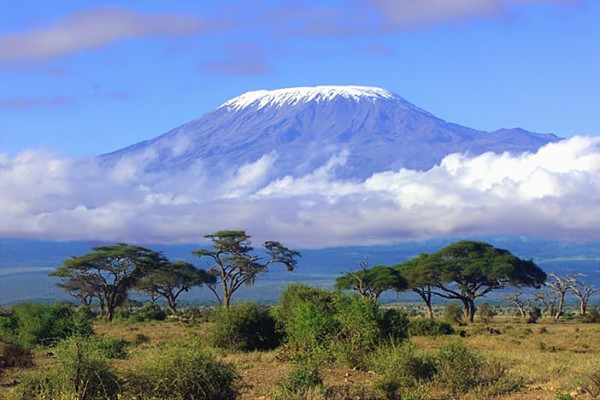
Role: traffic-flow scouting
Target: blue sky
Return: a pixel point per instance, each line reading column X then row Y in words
column 84, row 78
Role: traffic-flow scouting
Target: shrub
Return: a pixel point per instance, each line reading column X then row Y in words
column 309, row 327
column 244, row 327
column 460, row 370
column 394, row 324
column 112, row 348
column 14, row 355
column 486, row 313
column 592, row 316
column 148, row 312
column 453, row 314
column 301, row 381
column 295, row 294
column 401, row 371
column 44, row 324
column 141, row 338
column 429, row 327
column 82, row 373
column 181, row 371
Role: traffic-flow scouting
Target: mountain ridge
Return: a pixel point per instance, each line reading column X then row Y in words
column 303, row 128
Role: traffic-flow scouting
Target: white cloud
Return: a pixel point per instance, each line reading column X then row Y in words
column 91, row 29
column 554, row 193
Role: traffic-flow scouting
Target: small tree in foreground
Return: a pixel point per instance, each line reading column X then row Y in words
column 234, row 265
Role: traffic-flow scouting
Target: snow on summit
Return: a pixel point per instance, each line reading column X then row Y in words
column 281, row 97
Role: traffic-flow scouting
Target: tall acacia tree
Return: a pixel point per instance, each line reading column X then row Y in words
column 371, row 282
column 467, row 270
column 235, row 265
column 476, row 268
column 422, row 275
column 170, row 280
column 107, row 273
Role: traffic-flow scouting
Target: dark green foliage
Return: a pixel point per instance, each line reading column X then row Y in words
column 148, row 312
column 371, row 282
column 394, row 324
column 141, row 338
column 107, row 274
column 429, row 327
column 244, row 327
column 44, row 324
column 14, row 355
column 82, row 374
column 169, row 280
column 181, row 371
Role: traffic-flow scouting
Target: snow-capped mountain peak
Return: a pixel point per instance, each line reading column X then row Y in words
column 291, row 96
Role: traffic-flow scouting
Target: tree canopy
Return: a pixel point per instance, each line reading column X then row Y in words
column 371, row 282
column 235, row 265
column 170, row 279
column 467, row 270
column 107, row 273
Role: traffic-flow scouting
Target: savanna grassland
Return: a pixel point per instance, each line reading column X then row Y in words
column 504, row 358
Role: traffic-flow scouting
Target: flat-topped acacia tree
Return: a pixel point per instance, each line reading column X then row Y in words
column 235, row 265
column 467, row 270
column 107, row 273
column 371, row 282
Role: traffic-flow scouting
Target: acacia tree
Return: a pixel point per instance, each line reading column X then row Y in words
column 467, row 270
column 234, row 265
column 477, row 268
column 422, row 275
column 170, row 280
column 371, row 282
column 522, row 304
column 560, row 285
column 107, row 273
column 583, row 292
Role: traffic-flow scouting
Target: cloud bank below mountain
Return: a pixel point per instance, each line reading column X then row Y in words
column 553, row 193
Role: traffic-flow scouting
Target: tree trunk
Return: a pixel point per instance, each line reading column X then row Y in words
column 582, row 306
column 561, row 302
column 109, row 313
column 429, row 310
column 172, row 305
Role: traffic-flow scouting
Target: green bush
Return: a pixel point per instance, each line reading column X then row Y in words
column 335, row 326
column 244, row 327
column 401, row 371
column 429, row 327
column 296, row 294
column 453, row 314
column 460, row 370
column 148, row 312
column 112, row 348
column 82, row 373
column 592, row 316
column 181, row 371
column 44, row 324
column 299, row 384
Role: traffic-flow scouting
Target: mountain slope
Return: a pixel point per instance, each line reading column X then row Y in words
column 301, row 129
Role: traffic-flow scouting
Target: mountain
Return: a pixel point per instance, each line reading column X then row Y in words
column 369, row 129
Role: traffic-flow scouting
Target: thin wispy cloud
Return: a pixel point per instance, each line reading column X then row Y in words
column 25, row 103
column 94, row 28
column 552, row 193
